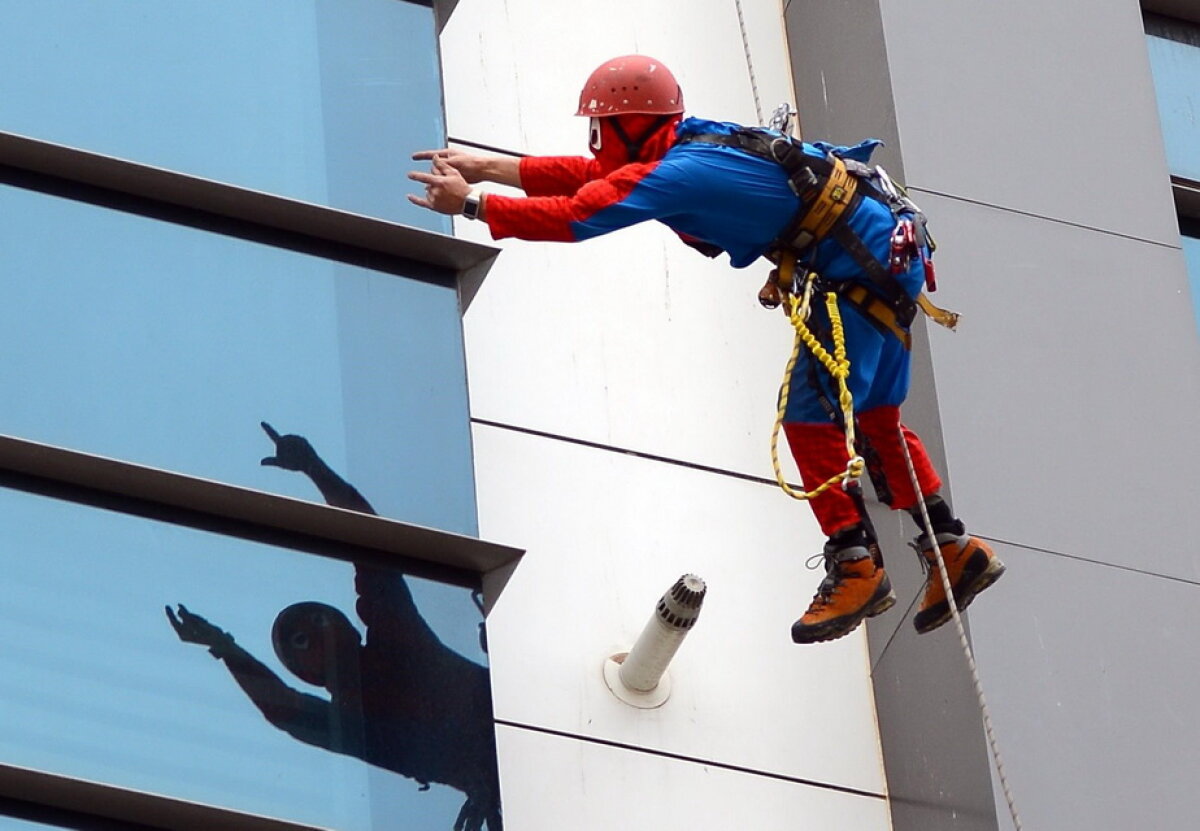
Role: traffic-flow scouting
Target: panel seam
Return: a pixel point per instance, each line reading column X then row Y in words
column 1056, row 220
column 530, row 431
column 709, row 763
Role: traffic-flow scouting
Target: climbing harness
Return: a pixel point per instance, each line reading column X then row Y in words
column 830, row 189
column 955, row 615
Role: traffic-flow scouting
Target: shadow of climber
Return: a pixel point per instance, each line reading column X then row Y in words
column 398, row 698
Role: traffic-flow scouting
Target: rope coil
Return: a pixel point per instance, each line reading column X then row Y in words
column 838, row 366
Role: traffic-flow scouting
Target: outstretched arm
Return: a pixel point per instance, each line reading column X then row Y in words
column 305, row 717
column 295, row 453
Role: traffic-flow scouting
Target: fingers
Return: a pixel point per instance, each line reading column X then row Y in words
column 425, row 155
column 175, row 622
column 270, row 431
column 417, row 200
column 271, row 461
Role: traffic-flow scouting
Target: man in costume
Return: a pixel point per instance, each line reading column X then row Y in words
column 752, row 193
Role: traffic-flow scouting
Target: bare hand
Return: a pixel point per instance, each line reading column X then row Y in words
column 472, row 167
column 445, row 188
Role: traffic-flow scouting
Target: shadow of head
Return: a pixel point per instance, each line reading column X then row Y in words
column 318, row 644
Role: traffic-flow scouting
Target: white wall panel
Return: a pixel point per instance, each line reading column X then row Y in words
column 551, row 782
column 513, row 69
column 606, row 534
column 634, row 341
column 1041, row 107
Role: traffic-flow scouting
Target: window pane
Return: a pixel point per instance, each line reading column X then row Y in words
column 167, row 346
column 1191, row 253
column 1176, row 67
column 313, row 99
column 206, row 702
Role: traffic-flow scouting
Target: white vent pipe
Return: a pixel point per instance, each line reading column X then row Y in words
column 639, row 677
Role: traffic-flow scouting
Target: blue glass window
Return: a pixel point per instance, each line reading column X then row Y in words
column 318, row 100
column 1174, row 49
column 1191, row 253
column 208, row 668
column 167, row 346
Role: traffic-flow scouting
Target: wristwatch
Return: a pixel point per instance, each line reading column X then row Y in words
column 472, row 204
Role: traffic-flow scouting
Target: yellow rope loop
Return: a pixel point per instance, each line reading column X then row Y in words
column 838, row 367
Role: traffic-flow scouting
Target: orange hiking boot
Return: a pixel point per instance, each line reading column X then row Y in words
column 972, row 567
column 854, row 588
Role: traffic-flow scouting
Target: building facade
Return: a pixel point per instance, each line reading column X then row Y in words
column 204, row 211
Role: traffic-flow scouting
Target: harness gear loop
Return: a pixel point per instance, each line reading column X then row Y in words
column 837, row 364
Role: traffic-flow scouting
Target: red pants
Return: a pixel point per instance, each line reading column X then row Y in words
column 820, row 453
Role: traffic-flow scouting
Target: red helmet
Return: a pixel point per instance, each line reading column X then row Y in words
column 631, row 84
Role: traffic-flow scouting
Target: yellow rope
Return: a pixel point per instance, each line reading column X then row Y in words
column 838, row 367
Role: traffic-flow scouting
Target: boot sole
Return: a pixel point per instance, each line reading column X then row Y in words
column 932, row 618
column 839, row 627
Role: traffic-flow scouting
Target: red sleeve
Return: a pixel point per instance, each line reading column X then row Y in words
column 550, row 218
column 556, row 175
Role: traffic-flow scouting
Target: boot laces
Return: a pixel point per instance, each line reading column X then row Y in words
column 832, row 580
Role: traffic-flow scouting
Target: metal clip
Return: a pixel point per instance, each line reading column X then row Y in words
column 904, row 246
column 781, row 119
column 886, row 184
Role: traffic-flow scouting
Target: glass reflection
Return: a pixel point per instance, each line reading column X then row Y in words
column 1175, row 63
column 318, row 100
column 398, row 698
column 165, row 346
column 96, row 685
column 1191, row 255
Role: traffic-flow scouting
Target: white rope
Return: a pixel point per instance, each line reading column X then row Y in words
column 962, row 637
column 749, row 62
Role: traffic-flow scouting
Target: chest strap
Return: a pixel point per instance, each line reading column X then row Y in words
column 825, row 186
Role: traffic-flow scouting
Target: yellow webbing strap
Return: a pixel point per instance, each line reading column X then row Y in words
column 861, row 298
column 944, row 317
column 838, row 367
column 831, row 202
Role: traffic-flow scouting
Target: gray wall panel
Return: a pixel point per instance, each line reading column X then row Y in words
column 840, row 72
column 933, row 741
column 1068, row 395
column 1040, row 107
column 1091, row 677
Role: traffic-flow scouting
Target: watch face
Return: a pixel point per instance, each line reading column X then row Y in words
column 471, row 205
